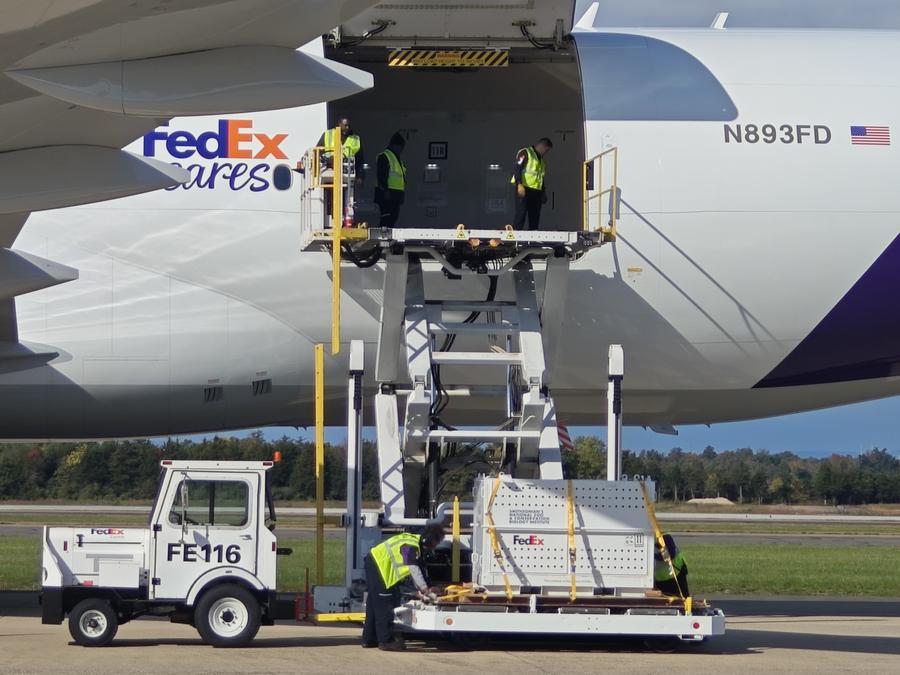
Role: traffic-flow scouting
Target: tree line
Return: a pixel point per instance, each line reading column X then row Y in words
column 121, row 471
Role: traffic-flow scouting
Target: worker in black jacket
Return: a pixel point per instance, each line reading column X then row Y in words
column 390, row 191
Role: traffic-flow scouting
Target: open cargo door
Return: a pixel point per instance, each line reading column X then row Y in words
column 461, row 23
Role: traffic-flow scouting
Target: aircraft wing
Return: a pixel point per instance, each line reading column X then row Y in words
column 80, row 79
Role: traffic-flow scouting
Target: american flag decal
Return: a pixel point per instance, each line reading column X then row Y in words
column 565, row 440
column 870, row 135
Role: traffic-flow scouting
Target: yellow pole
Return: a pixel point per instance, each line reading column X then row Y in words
column 337, row 221
column 320, row 463
column 454, row 551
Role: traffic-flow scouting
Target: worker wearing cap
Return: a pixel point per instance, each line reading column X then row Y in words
column 387, row 566
column 528, row 177
column 663, row 579
column 390, row 191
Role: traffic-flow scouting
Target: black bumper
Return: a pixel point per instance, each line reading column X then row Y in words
column 51, row 600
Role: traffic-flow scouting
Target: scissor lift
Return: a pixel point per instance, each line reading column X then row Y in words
column 602, row 582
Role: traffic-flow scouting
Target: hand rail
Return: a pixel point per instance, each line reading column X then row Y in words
column 592, row 175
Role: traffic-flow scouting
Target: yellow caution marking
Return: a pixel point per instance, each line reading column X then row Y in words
column 455, row 58
column 340, row 617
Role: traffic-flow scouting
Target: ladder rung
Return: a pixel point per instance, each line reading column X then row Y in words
column 480, row 435
column 477, row 358
column 445, row 328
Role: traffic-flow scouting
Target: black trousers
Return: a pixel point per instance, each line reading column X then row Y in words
column 389, row 203
column 530, row 206
column 380, row 604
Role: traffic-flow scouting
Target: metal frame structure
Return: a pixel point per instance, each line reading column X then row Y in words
column 600, row 583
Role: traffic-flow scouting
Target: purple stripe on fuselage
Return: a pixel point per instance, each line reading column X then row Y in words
column 859, row 339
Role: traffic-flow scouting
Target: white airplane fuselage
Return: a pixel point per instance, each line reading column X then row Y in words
column 749, row 276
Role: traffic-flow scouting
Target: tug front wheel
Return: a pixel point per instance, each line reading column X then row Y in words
column 93, row 623
column 227, row 616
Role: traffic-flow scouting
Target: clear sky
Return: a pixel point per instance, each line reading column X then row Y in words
column 883, row 14
column 847, row 429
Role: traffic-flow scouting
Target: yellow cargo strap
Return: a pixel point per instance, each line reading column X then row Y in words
column 495, row 545
column 664, row 551
column 454, row 550
column 456, row 592
column 570, row 507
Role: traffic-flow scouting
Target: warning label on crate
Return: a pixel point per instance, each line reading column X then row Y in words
column 528, row 517
column 636, row 540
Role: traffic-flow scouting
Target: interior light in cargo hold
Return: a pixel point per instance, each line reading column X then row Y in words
column 432, row 174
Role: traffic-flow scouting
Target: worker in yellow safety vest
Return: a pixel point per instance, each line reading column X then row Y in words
column 351, row 148
column 387, row 566
column 663, row 579
column 350, row 142
column 390, row 192
column 528, row 177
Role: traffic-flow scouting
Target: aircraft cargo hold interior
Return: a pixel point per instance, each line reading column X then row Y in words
column 463, row 127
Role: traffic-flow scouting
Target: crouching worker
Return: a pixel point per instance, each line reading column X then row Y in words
column 664, row 580
column 387, row 566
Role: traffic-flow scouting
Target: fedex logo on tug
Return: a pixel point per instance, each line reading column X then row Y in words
column 233, row 140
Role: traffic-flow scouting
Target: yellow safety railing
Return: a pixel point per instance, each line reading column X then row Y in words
column 594, row 188
column 320, row 463
column 337, row 216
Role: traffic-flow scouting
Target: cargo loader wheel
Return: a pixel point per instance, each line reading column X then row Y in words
column 93, row 623
column 227, row 616
column 662, row 645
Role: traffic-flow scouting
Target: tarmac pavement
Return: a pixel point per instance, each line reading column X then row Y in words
column 764, row 634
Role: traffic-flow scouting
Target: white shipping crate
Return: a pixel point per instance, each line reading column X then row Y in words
column 613, row 535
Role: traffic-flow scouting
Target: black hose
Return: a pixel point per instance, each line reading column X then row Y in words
column 528, row 36
column 365, row 36
column 369, row 261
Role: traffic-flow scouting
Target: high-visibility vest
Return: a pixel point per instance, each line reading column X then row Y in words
column 389, row 558
column 661, row 571
column 533, row 173
column 351, row 145
column 396, row 173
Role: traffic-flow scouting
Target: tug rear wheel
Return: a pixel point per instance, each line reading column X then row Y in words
column 93, row 623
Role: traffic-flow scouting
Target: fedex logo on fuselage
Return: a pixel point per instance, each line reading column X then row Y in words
column 527, row 541
column 232, row 139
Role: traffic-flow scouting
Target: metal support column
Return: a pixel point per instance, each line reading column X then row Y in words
column 337, row 215
column 616, row 373
column 353, row 564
